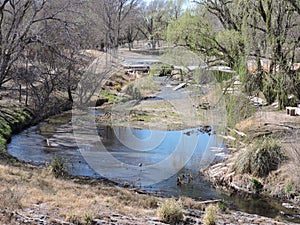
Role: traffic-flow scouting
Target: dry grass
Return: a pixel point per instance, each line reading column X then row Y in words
column 72, row 201
column 29, row 189
column 260, row 158
column 210, row 215
column 284, row 129
column 190, row 203
column 246, row 124
column 170, row 211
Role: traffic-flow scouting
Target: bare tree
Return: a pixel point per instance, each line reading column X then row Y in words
column 20, row 26
column 40, row 41
column 113, row 15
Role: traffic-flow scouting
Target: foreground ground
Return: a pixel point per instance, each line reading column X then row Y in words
column 32, row 195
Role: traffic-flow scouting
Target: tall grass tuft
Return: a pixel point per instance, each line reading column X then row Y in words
column 170, row 212
column 58, row 167
column 74, row 219
column 261, row 158
column 210, row 215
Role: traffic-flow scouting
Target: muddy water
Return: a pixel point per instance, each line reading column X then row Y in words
column 54, row 138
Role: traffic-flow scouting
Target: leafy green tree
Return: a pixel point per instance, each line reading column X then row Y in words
column 274, row 26
column 264, row 33
column 154, row 21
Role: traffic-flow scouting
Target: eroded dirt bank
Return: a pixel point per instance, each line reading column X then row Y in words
column 282, row 182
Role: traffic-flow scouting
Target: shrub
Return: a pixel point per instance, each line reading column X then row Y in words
column 111, row 97
column 170, row 212
column 210, row 215
column 288, row 188
column 88, row 218
column 134, row 91
column 260, row 159
column 2, row 143
column 74, row 219
column 257, row 185
column 243, row 162
column 118, row 88
column 223, row 206
column 152, row 202
column 141, row 88
column 58, row 167
column 267, row 156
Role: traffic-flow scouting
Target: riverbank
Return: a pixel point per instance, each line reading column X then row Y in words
column 15, row 118
column 33, row 195
column 283, row 181
column 12, row 120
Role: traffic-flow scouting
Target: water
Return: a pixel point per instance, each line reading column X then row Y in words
column 54, row 138
column 142, row 163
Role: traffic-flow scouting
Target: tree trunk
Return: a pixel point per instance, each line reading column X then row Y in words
column 20, row 93
column 153, row 43
column 70, row 94
column 26, row 98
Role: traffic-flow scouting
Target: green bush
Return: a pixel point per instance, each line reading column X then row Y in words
column 111, row 97
column 2, row 143
column 210, row 215
column 170, row 212
column 257, row 185
column 58, row 167
column 288, row 188
column 88, row 218
column 118, row 87
column 223, row 206
column 142, row 87
column 260, row 159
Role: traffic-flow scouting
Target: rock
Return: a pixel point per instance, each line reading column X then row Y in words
column 100, row 101
column 289, row 206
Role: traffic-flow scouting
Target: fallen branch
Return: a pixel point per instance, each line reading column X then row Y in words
column 282, row 125
column 242, row 134
column 210, row 201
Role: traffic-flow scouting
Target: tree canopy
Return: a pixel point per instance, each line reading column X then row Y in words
column 259, row 39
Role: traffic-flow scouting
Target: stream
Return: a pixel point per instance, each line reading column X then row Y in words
column 54, row 138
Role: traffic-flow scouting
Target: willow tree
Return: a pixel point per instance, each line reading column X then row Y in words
column 273, row 31
column 209, row 31
column 237, row 32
